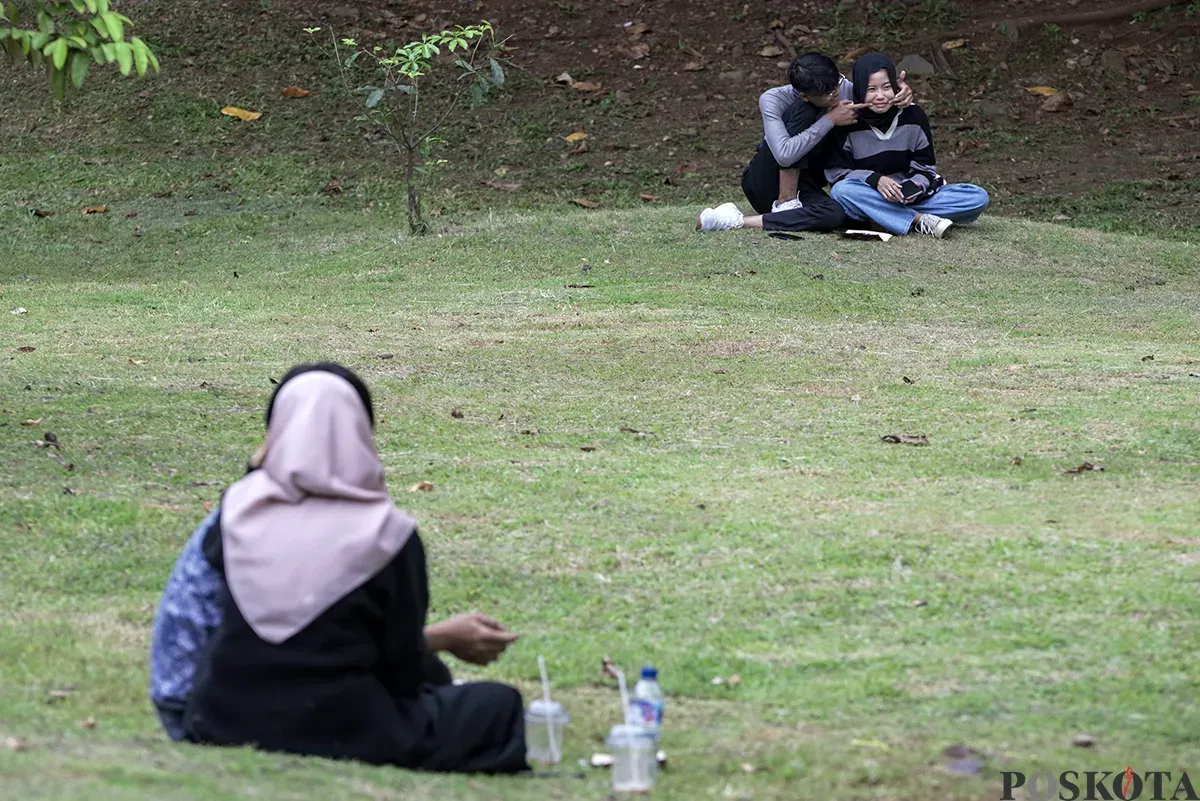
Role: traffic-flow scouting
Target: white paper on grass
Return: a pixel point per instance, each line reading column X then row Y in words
column 856, row 234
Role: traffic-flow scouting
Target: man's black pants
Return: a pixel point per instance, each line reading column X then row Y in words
column 760, row 182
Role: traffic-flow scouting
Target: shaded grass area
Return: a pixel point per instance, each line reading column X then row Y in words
column 879, row 602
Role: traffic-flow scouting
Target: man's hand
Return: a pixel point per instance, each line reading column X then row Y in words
column 905, row 98
column 472, row 637
column 844, row 113
column 890, row 190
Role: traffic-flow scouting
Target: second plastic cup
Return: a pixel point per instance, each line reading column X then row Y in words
column 544, row 724
column 634, row 762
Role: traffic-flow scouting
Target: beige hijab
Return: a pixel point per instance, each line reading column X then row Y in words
column 315, row 521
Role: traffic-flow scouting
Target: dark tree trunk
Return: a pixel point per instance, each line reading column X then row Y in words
column 416, row 225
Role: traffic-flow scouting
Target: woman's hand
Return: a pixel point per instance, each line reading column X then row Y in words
column 472, row 637
column 890, row 190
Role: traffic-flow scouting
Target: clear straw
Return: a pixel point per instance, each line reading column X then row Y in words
column 624, row 696
column 555, row 757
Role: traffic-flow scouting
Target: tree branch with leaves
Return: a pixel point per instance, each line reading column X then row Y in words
column 68, row 36
column 404, row 99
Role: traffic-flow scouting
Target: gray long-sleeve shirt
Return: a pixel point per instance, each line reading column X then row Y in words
column 788, row 150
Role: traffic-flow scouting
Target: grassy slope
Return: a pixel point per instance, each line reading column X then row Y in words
column 761, row 528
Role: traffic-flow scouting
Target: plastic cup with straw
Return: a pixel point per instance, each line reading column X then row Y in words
column 544, row 723
column 634, row 766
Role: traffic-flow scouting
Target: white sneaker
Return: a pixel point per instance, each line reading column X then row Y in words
column 725, row 217
column 933, row 225
column 787, row 205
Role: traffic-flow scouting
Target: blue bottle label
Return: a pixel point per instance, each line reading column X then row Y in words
column 647, row 713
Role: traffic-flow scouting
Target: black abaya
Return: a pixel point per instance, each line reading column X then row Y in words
column 356, row 683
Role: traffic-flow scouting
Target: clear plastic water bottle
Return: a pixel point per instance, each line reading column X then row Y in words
column 647, row 702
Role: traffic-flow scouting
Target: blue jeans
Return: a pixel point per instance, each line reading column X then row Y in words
column 962, row 203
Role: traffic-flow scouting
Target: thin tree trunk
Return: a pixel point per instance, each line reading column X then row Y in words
column 416, row 225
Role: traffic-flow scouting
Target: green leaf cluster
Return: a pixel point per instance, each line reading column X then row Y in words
column 68, row 36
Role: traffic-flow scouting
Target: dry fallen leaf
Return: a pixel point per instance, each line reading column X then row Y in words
column 1084, row 468
column 771, row 51
column 1044, row 91
column 42, row 212
column 241, row 113
column 457, row 413
column 60, row 694
column 906, row 439
column 1016, row 461
column 879, row 744
column 1083, row 741
column 333, row 188
column 954, row 45
column 94, row 210
column 531, row 431
column 693, row 66
column 640, row 50
column 637, row 30
column 917, row 604
column 502, row 186
column 17, row 744
column 136, row 362
column 649, row 198
column 587, row 204
column 634, row 431
column 565, row 79
column 296, row 91
column 748, row 768
column 734, row 680
column 36, row 422
column 862, row 50
column 578, row 136
column 585, row 86
column 587, row 448
column 422, row 486
column 90, row 723
column 26, row 349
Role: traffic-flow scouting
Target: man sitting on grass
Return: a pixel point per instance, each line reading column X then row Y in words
column 785, row 180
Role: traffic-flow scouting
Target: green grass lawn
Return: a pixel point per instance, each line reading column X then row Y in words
column 880, row 602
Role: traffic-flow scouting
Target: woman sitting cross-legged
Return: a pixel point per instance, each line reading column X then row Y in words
column 884, row 170
column 294, row 620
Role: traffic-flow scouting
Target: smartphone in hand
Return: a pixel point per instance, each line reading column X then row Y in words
column 911, row 190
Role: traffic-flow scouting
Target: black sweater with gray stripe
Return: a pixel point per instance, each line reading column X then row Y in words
column 903, row 152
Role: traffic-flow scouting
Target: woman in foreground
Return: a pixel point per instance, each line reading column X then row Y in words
column 885, row 169
column 295, row 619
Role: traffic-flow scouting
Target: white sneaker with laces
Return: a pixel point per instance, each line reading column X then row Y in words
column 725, row 217
column 787, row 205
column 933, row 225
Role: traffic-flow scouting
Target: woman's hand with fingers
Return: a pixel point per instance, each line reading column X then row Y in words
column 472, row 637
column 890, row 189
